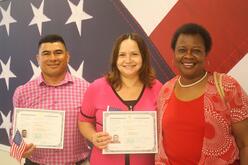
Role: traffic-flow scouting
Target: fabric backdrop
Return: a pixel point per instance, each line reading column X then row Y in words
column 90, row 27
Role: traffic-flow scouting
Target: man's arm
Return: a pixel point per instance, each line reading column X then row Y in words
column 17, row 103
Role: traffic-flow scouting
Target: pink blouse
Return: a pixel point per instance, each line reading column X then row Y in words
column 98, row 96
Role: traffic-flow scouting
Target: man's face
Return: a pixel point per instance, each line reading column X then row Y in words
column 24, row 133
column 53, row 59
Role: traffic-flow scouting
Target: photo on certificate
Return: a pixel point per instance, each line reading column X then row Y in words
column 131, row 131
column 43, row 128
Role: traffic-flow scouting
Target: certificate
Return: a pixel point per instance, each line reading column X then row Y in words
column 131, row 131
column 43, row 128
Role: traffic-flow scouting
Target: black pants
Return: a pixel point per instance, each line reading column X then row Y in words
column 29, row 162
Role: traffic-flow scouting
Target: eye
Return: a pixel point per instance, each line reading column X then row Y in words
column 121, row 54
column 197, row 52
column 135, row 54
column 181, row 50
column 58, row 52
column 45, row 53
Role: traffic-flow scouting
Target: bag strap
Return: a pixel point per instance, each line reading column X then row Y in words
column 218, row 85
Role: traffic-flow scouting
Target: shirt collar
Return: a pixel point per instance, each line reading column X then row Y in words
column 68, row 78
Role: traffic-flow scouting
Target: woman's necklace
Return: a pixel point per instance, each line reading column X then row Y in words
column 194, row 83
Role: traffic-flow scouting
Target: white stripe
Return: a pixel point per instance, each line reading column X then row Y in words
column 4, row 147
column 240, row 72
column 149, row 13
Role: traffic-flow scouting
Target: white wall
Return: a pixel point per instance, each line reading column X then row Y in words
column 240, row 72
column 5, row 158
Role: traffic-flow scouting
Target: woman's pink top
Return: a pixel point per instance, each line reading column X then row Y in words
column 100, row 95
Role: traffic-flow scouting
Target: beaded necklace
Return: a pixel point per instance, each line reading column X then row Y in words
column 192, row 84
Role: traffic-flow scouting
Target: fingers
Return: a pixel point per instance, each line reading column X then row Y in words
column 101, row 140
column 28, row 150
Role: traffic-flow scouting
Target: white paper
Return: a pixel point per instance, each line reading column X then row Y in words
column 131, row 131
column 43, row 128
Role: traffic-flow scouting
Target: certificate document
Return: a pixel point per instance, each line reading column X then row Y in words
column 43, row 128
column 131, row 131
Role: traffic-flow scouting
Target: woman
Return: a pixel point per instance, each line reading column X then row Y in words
column 129, row 86
column 197, row 126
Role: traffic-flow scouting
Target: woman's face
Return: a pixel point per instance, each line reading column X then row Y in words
column 129, row 60
column 190, row 55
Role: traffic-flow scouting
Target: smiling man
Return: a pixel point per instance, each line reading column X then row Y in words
column 55, row 89
column 53, row 58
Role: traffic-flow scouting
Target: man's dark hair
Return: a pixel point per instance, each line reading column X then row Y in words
column 52, row 38
column 193, row 29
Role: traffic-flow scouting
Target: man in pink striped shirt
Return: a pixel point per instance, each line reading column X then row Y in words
column 55, row 89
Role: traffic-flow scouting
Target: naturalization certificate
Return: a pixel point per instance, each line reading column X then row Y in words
column 131, row 131
column 43, row 128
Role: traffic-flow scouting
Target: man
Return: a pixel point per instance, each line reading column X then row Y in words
column 55, row 89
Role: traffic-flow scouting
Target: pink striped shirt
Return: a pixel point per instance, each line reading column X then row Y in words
column 67, row 96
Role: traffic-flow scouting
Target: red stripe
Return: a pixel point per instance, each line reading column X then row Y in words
column 225, row 20
column 17, row 151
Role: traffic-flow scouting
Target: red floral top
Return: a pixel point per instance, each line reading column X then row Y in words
column 219, row 145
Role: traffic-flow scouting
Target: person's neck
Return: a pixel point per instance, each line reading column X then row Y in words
column 53, row 81
column 189, row 82
column 130, row 82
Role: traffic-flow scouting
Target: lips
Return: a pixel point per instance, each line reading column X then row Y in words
column 53, row 65
column 129, row 66
column 188, row 64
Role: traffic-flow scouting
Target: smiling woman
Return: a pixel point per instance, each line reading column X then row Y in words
column 129, row 59
column 191, row 110
column 130, row 85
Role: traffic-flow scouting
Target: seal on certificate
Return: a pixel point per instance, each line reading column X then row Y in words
column 115, row 139
column 24, row 133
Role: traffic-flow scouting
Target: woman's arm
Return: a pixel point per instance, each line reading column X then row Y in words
column 98, row 139
column 240, row 131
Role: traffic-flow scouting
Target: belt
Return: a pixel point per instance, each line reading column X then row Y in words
column 29, row 162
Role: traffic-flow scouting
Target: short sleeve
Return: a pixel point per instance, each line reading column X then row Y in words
column 16, row 97
column 88, row 110
column 237, row 99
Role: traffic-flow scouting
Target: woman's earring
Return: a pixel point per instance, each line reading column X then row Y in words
column 208, row 62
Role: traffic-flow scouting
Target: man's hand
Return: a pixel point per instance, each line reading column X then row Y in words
column 28, row 150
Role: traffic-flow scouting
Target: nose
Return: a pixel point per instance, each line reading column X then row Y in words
column 188, row 52
column 128, row 58
column 52, row 56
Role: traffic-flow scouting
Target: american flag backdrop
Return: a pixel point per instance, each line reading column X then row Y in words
column 90, row 27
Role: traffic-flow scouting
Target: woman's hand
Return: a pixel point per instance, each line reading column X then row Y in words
column 101, row 140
